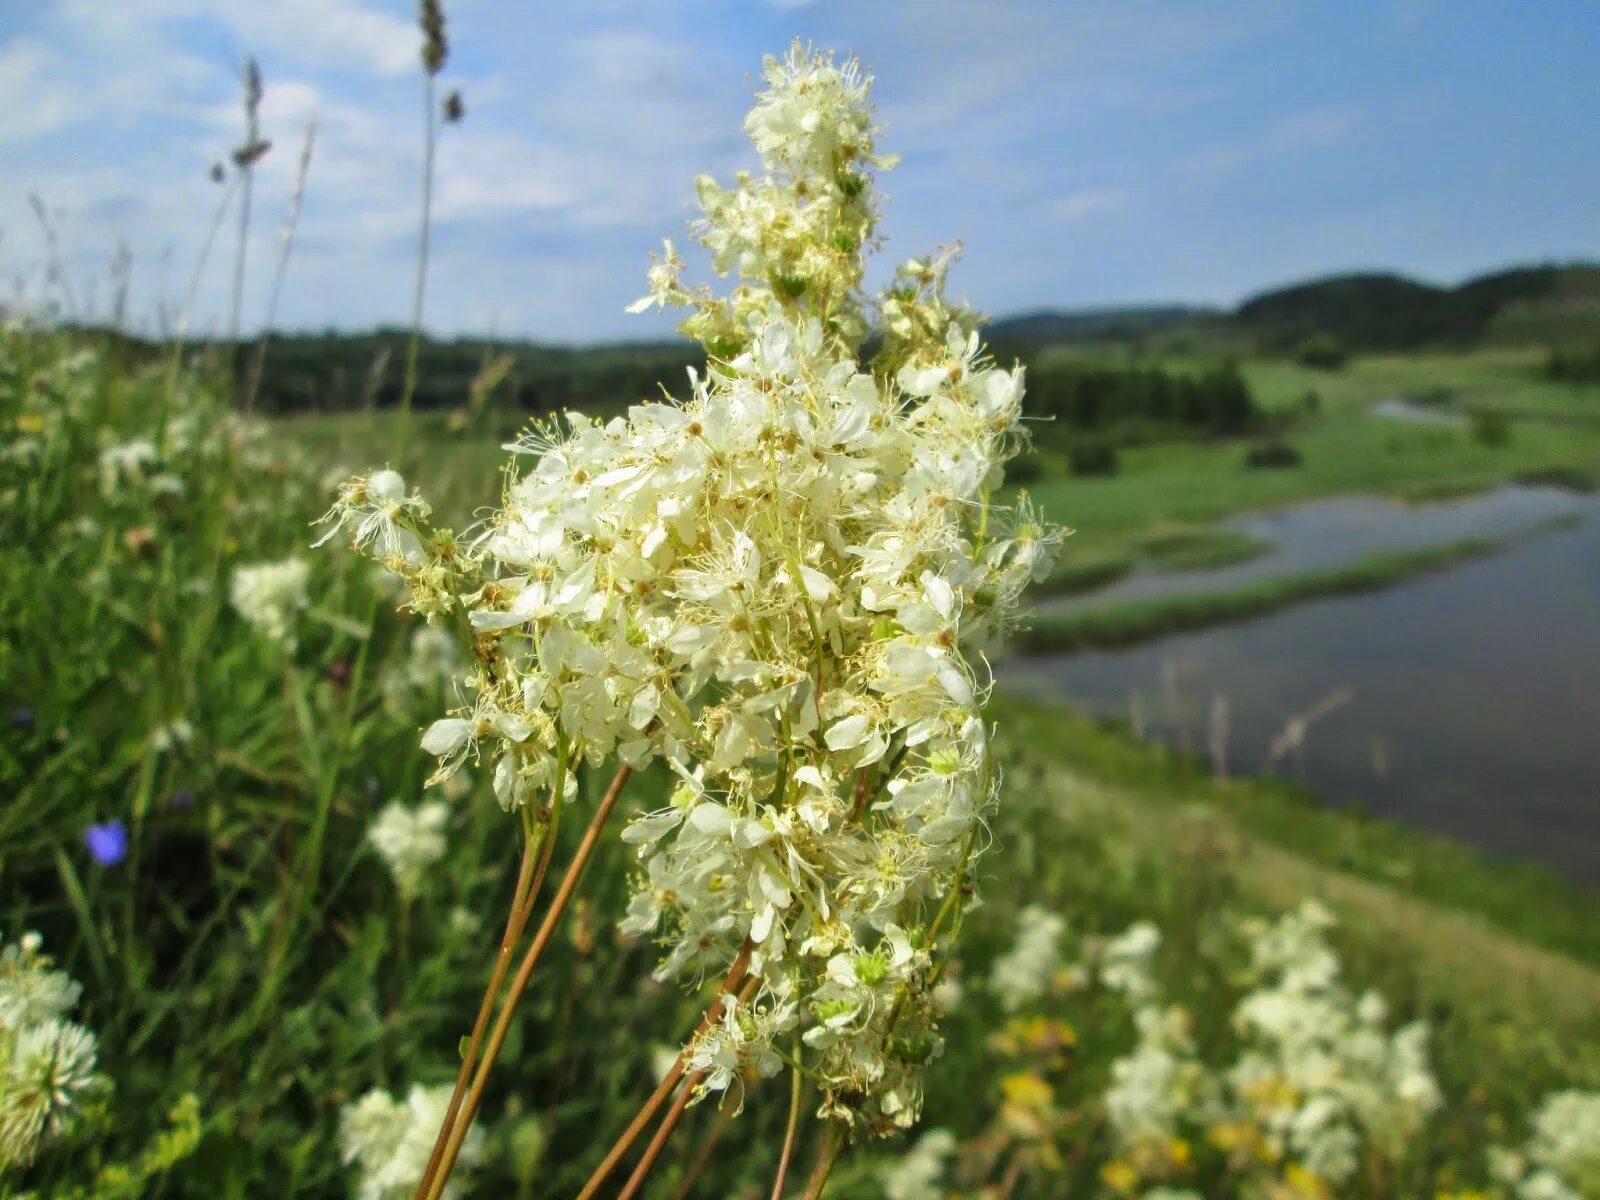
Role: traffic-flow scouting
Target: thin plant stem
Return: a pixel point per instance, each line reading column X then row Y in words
column 424, row 234
column 189, row 298
column 725, row 1115
column 789, row 1133
column 668, row 1124
column 296, row 201
column 538, row 841
column 674, row 1114
column 658, row 1097
column 519, row 984
column 516, row 918
column 246, row 159
column 827, row 1155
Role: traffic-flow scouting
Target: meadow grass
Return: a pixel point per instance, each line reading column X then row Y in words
column 1129, row 621
column 252, row 952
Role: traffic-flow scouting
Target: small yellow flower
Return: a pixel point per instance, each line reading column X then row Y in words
column 1119, row 1177
column 1305, row 1184
column 1027, row 1090
column 30, row 422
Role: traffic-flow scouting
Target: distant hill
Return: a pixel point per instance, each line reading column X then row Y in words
column 1544, row 303
column 1098, row 324
column 1389, row 311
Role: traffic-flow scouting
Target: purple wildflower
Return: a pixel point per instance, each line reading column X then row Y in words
column 108, row 843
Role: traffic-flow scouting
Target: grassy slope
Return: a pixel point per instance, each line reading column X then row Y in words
column 1522, row 901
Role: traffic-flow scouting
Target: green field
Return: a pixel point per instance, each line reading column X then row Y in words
column 250, row 968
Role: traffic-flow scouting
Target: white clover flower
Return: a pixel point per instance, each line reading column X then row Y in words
column 410, row 841
column 1023, row 973
column 270, row 595
column 917, row 1174
column 390, row 1142
column 47, row 1063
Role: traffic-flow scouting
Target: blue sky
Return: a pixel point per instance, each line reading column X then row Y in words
column 1085, row 153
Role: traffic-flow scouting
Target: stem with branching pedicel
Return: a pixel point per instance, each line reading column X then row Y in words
column 795, row 1086
column 432, row 1189
column 827, row 1155
column 735, row 978
column 538, row 843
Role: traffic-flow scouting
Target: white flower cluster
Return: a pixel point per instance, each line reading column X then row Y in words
column 270, row 595
column 1161, row 1084
column 783, row 588
column 1022, row 974
column 1127, row 962
column 390, row 1142
column 433, row 661
column 125, row 463
column 916, row 1175
column 1319, row 1073
column 1561, row 1159
column 47, row 1063
column 410, row 841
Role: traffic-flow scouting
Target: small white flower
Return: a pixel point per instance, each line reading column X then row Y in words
column 410, row 841
column 271, row 595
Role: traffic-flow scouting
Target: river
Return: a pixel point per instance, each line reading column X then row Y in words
column 1466, row 702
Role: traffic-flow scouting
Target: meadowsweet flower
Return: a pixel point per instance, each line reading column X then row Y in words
column 390, row 1141
column 107, row 842
column 1319, row 1074
column 173, row 735
column 47, row 1063
column 270, row 595
column 384, row 516
column 1157, row 1089
column 1566, row 1139
column 783, row 587
column 1022, row 974
column 916, row 1174
column 126, row 463
column 1561, row 1158
column 410, row 841
column 1127, row 961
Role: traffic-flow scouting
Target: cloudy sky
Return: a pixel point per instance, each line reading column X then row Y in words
column 1086, row 153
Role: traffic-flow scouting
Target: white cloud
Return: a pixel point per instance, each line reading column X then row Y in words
column 1087, row 202
column 1300, row 131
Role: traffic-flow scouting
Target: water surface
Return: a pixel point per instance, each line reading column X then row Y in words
column 1473, row 703
column 1323, row 534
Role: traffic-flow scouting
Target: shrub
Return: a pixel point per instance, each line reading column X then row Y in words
column 1272, row 454
column 1491, row 428
column 1093, row 458
column 1569, row 364
column 1322, row 351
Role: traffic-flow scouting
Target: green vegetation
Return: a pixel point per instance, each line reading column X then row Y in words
column 1137, row 620
column 1200, row 549
column 250, row 951
column 1070, row 396
column 1385, row 311
column 1158, row 785
column 1574, row 365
